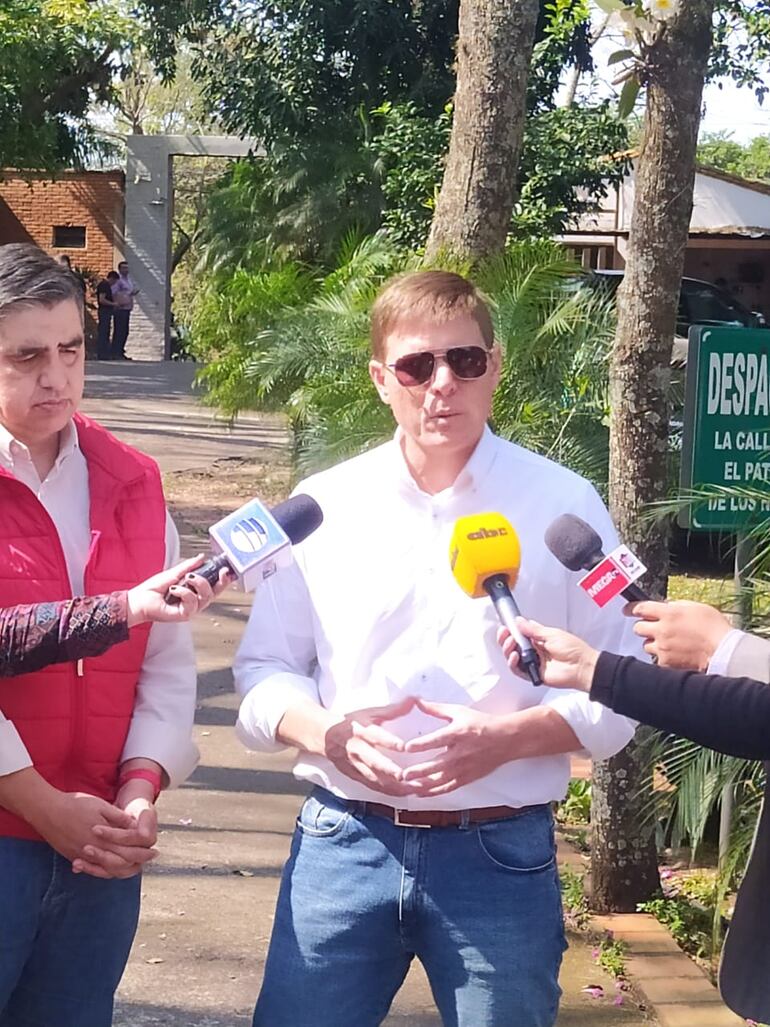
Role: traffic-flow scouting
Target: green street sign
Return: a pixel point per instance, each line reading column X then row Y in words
column 726, row 440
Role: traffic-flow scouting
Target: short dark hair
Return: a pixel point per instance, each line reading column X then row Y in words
column 29, row 277
column 113, row 274
column 437, row 296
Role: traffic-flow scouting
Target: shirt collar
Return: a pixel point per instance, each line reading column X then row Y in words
column 11, row 449
column 471, row 476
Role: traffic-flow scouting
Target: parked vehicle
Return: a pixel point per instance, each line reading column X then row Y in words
column 700, row 303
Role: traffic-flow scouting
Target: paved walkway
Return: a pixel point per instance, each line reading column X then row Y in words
column 208, row 901
column 152, row 407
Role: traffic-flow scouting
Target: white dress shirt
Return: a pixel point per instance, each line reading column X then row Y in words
column 164, row 709
column 720, row 659
column 370, row 613
column 123, row 291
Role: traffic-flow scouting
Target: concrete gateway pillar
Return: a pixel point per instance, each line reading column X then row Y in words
column 149, row 210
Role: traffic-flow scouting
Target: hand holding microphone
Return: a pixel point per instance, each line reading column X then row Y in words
column 679, row 634
column 255, row 542
column 566, row 661
column 174, row 595
column 485, row 557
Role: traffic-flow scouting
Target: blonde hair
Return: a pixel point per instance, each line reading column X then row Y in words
column 437, row 296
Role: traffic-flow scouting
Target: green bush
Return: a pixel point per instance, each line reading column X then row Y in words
column 690, row 925
column 286, row 339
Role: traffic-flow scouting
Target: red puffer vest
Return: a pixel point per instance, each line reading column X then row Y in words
column 74, row 717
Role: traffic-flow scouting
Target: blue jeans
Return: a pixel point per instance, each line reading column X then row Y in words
column 360, row 897
column 64, row 939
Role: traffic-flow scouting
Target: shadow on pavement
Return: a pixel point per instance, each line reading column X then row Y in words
column 130, row 1014
column 236, row 779
column 219, row 870
column 216, row 716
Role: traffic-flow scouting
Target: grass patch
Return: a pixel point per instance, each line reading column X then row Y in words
column 719, row 592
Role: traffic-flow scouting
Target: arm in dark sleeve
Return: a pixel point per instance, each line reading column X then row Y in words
column 730, row 715
column 31, row 637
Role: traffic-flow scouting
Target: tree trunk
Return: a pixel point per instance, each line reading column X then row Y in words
column 473, row 211
column 625, row 866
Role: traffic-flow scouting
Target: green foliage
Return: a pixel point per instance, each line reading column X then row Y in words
column 229, row 314
column 699, row 885
column 752, row 160
column 556, row 339
column 55, row 60
column 351, row 103
column 611, row 956
column 298, row 203
column 142, row 102
column 385, row 171
column 690, row 926
column 576, row 808
column 286, row 69
column 698, row 777
column 741, row 47
column 562, row 40
column 573, row 897
column 288, row 338
column 567, row 166
column 410, row 149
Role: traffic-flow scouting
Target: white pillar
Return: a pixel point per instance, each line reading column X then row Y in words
column 149, row 209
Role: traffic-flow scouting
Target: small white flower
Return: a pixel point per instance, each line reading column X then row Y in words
column 663, row 10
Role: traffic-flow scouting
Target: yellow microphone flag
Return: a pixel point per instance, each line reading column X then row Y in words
column 483, row 545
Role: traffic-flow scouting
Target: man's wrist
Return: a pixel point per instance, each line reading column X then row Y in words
column 305, row 725
column 140, row 777
column 27, row 794
column 536, row 731
column 587, row 669
column 140, row 782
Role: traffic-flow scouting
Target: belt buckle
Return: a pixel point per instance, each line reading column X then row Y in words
column 400, row 823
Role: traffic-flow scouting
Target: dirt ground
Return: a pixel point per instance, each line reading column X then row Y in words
column 199, row 498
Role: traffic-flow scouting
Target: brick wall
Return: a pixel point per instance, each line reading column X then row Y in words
column 31, row 206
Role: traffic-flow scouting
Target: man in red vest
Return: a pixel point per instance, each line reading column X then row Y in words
column 86, row 746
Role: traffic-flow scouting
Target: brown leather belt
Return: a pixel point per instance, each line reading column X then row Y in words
column 442, row 817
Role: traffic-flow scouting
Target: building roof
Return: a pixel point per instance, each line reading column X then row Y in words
column 723, row 205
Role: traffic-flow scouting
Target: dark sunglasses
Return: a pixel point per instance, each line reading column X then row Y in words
column 417, row 368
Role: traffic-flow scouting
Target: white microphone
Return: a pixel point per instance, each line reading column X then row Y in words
column 252, row 543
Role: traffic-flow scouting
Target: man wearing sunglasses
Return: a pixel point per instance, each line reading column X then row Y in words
column 428, row 832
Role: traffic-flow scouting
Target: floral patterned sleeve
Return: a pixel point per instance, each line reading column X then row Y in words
column 31, row 637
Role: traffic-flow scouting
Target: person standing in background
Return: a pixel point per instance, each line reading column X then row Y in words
column 123, row 292
column 105, row 311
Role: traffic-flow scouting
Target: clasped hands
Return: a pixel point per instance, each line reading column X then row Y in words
column 99, row 838
column 122, row 839
column 471, row 744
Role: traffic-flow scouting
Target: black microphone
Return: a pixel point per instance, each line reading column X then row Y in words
column 578, row 547
column 255, row 542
